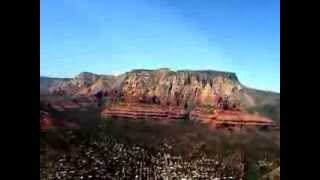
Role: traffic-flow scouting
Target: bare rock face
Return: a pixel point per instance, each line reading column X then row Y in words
column 157, row 93
column 75, row 103
column 179, row 88
column 47, row 83
column 143, row 111
column 84, row 84
column 46, row 121
column 229, row 117
column 96, row 84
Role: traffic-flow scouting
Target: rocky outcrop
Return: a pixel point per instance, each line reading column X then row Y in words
column 163, row 89
column 74, row 103
column 229, row 117
column 48, row 121
column 47, row 83
column 142, row 111
column 180, row 87
column 215, row 118
column 83, row 84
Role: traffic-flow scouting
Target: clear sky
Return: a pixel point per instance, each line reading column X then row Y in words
column 115, row 36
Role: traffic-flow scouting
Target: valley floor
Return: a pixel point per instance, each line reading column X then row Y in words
column 124, row 149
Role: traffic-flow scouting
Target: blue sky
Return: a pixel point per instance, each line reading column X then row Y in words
column 115, row 36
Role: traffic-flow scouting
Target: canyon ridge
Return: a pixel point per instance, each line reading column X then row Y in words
column 211, row 97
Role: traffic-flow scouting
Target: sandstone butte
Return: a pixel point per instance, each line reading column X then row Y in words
column 165, row 94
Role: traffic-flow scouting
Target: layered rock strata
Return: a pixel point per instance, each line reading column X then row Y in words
column 75, row 103
column 163, row 93
column 141, row 111
column 215, row 118
column 228, row 117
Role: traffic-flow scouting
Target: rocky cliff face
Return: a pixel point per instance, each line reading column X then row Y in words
column 143, row 111
column 230, row 118
column 46, row 83
column 83, row 84
column 183, row 89
column 49, row 121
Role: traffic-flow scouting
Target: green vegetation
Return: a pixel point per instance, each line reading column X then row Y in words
column 270, row 111
column 252, row 173
column 182, row 132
